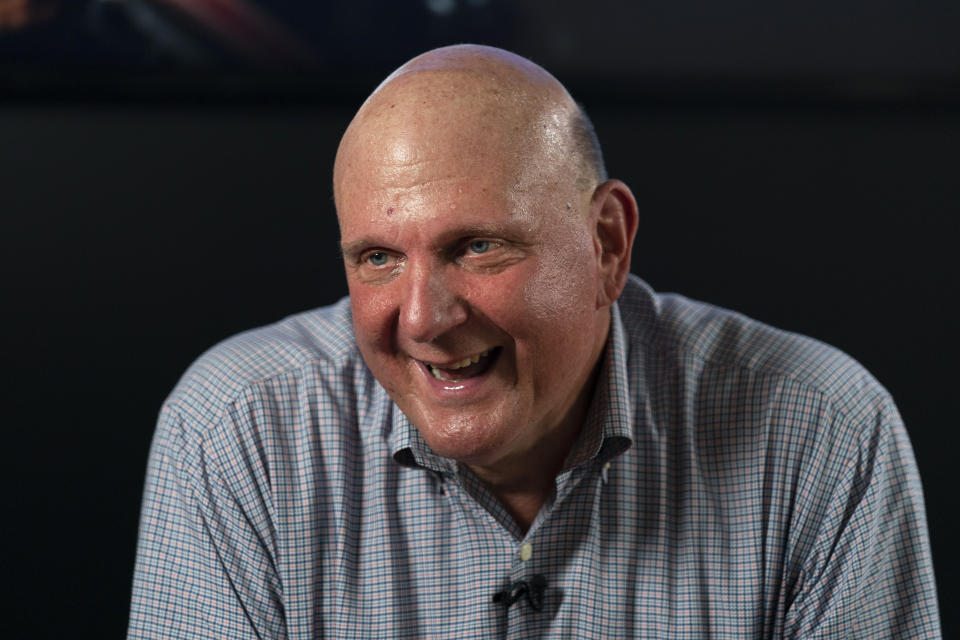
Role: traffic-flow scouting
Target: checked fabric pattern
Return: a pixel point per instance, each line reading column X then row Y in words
column 731, row 481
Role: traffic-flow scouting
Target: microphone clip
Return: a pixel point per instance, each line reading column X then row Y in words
column 532, row 588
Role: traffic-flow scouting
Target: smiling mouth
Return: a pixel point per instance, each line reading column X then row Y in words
column 467, row 368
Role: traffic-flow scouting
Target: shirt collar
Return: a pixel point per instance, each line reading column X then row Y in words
column 606, row 432
column 410, row 449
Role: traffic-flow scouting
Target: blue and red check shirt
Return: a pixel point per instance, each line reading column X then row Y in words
column 731, row 481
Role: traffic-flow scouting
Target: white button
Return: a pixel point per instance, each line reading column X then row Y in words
column 526, row 551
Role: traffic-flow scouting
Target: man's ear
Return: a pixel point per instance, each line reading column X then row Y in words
column 614, row 212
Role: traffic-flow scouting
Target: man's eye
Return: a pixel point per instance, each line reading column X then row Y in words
column 480, row 246
column 378, row 259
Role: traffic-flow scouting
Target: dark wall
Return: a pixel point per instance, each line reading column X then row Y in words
column 134, row 238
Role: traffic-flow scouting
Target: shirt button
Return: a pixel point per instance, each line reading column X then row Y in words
column 526, row 551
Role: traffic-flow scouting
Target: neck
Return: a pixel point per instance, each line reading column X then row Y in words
column 523, row 505
column 524, row 482
column 523, row 494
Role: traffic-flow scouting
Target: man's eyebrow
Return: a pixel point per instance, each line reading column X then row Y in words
column 355, row 246
column 481, row 229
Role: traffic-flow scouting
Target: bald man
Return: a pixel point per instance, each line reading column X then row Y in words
column 504, row 434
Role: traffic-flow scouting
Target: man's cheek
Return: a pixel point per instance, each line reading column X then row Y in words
column 372, row 319
column 555, row 293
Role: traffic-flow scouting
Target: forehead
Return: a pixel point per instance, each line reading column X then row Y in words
column 415, row 175
column 409, row 147
column 443, row 208
column 448, row 124
column 455, row 149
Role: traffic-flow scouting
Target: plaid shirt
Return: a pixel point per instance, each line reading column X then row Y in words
column 731, row 481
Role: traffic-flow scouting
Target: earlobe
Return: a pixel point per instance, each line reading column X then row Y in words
column 614, row 212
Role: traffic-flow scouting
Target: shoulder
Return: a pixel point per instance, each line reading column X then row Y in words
column 701, row 337
column 307, row 350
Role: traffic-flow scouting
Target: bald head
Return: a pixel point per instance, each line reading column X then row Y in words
column 481, row 107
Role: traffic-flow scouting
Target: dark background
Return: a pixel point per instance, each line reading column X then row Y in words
column 162, row 188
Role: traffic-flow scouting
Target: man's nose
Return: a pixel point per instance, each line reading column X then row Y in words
column 432, row 304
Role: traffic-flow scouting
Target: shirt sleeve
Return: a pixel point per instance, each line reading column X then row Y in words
column 206, row 557
column 870, row 573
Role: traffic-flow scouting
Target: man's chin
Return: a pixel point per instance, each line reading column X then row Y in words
column 474, row 440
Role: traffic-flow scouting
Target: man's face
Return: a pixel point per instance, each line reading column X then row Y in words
column 473, row 283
